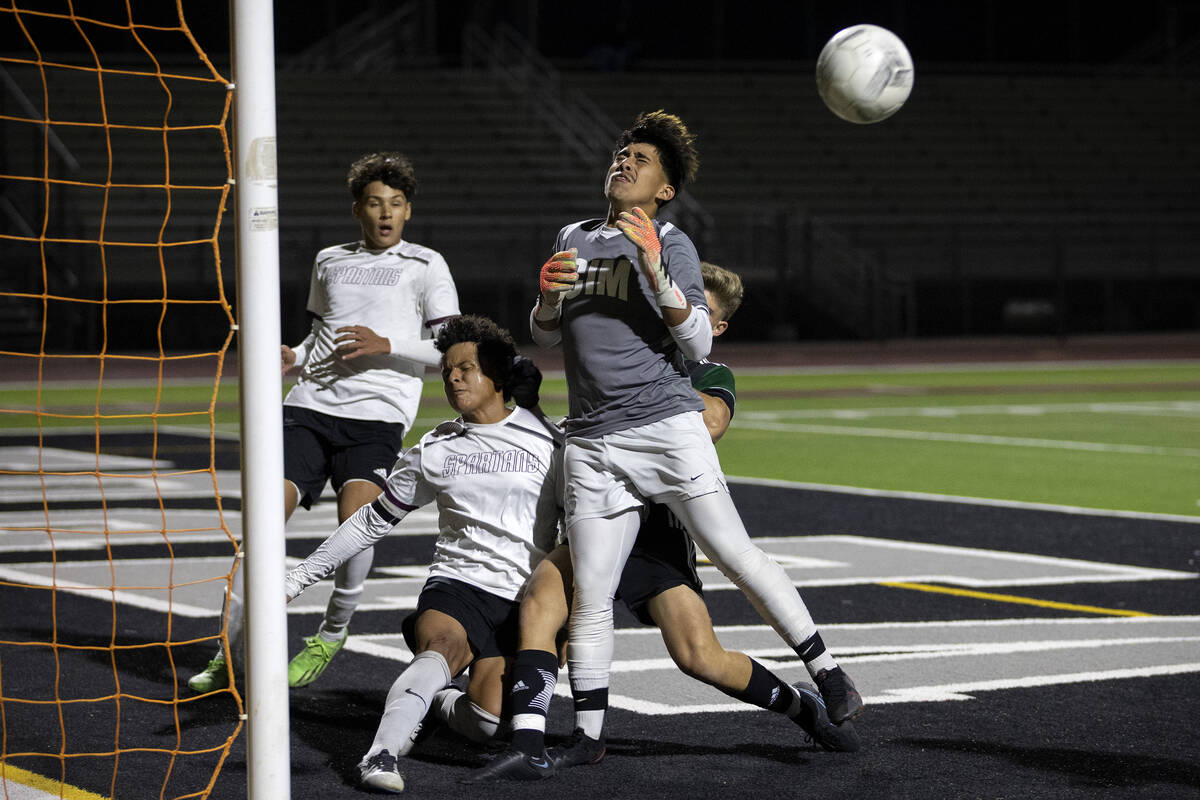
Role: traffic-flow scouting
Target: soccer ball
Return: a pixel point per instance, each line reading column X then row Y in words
column 864, row 74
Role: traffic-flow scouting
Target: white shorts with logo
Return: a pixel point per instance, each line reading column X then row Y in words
column 672, row 459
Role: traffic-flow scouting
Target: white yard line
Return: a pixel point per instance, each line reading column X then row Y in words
column 968, row 438
column 953, row 498
column 1172, row 408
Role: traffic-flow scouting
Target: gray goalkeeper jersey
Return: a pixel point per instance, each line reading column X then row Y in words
column 623, row 368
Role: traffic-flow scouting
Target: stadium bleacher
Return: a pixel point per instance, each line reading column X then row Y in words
column 989, row 188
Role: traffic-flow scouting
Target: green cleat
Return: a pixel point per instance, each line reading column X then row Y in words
column 310, row 662
column 215, row 676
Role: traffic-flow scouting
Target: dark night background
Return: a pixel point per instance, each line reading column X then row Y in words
column 1009, row 97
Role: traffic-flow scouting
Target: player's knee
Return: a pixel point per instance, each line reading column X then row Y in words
column 542, row 616
column 699, row 660
column 452, row 647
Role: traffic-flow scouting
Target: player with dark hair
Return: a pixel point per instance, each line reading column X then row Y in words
column 375, row 306
column 635, row 431
column 494, row 475
column 660, row 586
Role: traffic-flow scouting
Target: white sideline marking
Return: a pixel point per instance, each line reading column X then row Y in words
column 920, row 367
column 58, row 459
column 96, row 528
column 913, row 694
column 970, row 438
column 889, row 660
column 965, row 499
column 195, row 587
column 1183, row 408
column 1016, row 664
column 959, row 691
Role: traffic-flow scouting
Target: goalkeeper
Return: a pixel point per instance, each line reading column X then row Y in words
column 624, row 297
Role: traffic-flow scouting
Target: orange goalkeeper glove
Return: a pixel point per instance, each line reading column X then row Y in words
column 639, row 229
column 557, row 277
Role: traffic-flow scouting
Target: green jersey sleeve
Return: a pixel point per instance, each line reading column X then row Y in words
column 715, row 380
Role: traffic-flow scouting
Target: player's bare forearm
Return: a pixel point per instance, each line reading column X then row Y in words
column 716, row 416
column 359, row 340
column 676, row 316
column 548, row 324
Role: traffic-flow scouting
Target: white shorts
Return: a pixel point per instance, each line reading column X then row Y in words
column 672, row 459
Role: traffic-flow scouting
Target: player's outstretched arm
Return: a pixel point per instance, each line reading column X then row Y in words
column 359, row 340
column 364, row 527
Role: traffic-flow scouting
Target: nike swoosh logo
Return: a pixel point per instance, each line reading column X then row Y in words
column 540, row 763
column 414, row 694
column 695, row 476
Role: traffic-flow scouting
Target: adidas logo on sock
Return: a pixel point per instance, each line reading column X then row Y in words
column 519, row 686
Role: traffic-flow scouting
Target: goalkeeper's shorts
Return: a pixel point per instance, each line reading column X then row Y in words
column 672, row 459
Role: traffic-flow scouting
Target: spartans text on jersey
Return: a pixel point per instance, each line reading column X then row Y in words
column 491, row 461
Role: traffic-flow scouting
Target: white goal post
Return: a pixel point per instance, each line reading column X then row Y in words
column 256, row 192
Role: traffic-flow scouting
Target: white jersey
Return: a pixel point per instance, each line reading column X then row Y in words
column 497, row 489
column 399, row 293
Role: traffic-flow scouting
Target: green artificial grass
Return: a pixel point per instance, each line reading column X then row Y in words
column 1109, row 436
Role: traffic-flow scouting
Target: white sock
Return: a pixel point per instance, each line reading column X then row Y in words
column 408, row 701
column 823, row 661
column 454, row 707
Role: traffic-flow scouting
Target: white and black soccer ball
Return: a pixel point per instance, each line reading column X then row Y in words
column 864, row 74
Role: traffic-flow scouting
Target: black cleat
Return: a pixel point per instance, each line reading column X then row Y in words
column 513, row 765
column 578, row 750
column 841, row 698
column 816, row 724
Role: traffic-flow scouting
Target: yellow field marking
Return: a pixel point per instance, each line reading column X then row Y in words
column 53, row 788
column 1012, row 598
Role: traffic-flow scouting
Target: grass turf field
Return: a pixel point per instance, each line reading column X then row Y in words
column 1114, row 435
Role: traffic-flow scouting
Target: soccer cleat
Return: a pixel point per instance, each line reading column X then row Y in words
column 841, row 698
column 213, row 677
column 815, row 721
column 310, row 662
column 381, row 772
column 577, row 751
column 513, row 765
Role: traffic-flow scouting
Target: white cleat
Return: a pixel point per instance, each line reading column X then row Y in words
column 381, row 772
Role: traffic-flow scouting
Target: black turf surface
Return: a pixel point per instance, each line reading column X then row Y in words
column 1137, row 738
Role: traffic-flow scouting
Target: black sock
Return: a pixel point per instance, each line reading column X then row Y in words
column 535, row 672
column 765, row 690
column 810, row 648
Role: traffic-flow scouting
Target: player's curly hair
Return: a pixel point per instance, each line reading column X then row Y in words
column 392, row 168
column 726, row 287
column 495, row 346
column 675, row 143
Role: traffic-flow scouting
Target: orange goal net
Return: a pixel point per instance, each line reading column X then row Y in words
column 116, row 438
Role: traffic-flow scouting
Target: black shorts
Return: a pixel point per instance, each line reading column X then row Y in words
column 489, row 620
column 319, row 447
column 663, row 557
